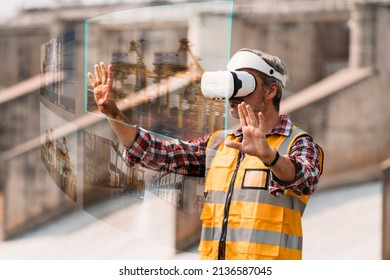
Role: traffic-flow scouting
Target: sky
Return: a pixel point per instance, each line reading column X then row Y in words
column 9, row 8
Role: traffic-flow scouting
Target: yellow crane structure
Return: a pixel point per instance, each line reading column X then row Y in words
column 192, row 107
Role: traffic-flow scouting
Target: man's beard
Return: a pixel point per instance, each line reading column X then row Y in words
column 233, row 111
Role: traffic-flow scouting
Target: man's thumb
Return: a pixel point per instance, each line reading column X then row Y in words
column 233, row 144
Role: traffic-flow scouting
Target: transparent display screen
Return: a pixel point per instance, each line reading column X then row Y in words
column 158, row 56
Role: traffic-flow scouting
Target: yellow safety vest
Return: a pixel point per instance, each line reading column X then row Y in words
column 240, row 219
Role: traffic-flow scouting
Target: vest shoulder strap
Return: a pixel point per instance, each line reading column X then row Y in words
column 216, row 139
column 285, row 147
column 212, row 147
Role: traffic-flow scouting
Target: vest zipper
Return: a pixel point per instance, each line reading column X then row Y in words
column 222, row 240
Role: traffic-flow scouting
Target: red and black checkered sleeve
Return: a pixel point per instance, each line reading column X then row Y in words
column 182, row 157
column 305, row 155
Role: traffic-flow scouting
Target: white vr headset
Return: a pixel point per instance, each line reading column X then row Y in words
column 232, row 83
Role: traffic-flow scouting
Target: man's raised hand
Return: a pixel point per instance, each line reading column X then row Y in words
column 102, row 88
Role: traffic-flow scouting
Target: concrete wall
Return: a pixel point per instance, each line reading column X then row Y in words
column 19, row 53
column 346, row 125
column 352, row 124
column 310, row 49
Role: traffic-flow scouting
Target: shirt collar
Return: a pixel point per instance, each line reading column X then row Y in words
column 282, row 127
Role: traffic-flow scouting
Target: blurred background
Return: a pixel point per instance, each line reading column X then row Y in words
column 57, row 202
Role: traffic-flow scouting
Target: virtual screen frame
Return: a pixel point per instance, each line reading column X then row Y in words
column 157, row 72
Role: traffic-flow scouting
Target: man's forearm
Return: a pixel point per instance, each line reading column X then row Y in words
column 123, row 128
column 284, row 169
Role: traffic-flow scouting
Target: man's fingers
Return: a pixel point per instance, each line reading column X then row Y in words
column 244, row 110
column 233, row 144
column 261, row 122
column 98, row 75
column 251, row 118
column 110, row 72
column 241, row 114
column 107, row 96
column 91, row 79
column 104, row 72
column 110, row 78
column 248, row 115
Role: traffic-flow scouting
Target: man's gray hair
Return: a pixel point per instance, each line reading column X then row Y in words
column 276, row 63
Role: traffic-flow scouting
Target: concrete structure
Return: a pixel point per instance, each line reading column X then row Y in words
column 386, row 210
column 348, row 114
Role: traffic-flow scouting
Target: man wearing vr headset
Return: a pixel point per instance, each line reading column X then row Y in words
column 258, row 177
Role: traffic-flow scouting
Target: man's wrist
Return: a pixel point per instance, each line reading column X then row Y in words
column 113, row 112
column 274, row 160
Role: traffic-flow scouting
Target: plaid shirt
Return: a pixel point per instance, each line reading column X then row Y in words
column 188, row 157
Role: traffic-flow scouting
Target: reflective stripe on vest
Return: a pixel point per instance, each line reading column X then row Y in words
column 219, row 197
column 254, row 236
column 256, row 219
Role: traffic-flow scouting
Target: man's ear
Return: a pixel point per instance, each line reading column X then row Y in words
column 271, row 91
